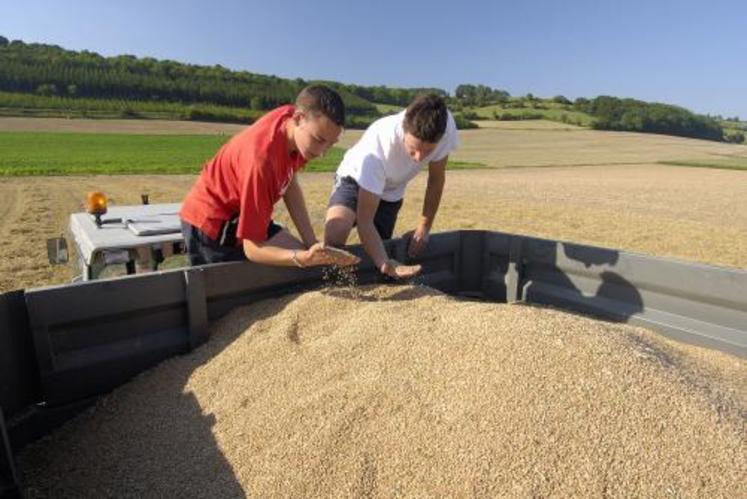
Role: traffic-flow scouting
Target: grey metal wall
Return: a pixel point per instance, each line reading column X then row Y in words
column 19, row 377
column 698, row 304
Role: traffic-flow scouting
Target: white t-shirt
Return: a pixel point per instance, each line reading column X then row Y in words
column 379, row 161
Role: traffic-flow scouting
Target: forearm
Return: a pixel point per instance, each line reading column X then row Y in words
column 271, row 255
column 303, row 224
column 296, row 205
column 432, row 200
column 372, row 243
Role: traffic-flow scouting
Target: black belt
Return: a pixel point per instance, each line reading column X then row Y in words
column 227, row 234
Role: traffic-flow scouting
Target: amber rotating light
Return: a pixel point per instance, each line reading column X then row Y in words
column 96, row 205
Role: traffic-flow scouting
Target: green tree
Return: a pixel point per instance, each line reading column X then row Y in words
column 46, row 89
column 257, row 103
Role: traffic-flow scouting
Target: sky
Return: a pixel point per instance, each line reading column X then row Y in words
column 689, row 53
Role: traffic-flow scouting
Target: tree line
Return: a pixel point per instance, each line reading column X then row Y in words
column 612, row 113
column 60, row 77
column 49, row 70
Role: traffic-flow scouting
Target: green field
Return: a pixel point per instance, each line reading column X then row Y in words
column 18, row 104
column 388, row 108
column 86, row 153
column 554, row 113
column 723, row 164
column 734, row 125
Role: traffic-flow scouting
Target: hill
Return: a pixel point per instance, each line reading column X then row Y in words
column 48, row 80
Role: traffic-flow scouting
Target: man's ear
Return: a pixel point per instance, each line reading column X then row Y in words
column 297, row 115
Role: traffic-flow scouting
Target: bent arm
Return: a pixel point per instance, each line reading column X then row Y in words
column 268, row 254
column 296, row 205
column 433, row 192
column 368, row 203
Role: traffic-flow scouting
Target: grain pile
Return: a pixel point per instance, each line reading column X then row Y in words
column 403, row 391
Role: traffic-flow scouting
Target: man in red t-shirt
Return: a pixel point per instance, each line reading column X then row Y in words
column 227, row 216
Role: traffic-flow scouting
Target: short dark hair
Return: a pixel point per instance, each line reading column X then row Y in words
column 426, row 117
column 324, row 100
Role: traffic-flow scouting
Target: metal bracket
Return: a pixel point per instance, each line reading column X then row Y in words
column 194, row 282
column 57, row 252
column 513, row 273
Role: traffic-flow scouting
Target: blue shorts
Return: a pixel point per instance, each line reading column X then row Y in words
column 346, row 194
column 202, row 249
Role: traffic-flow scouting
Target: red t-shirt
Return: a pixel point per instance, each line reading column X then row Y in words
column 247, row 176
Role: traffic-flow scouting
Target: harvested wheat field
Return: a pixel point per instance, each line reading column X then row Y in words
column 538, row 143
column 621, row 199
column 693, row 214
column 402, row 391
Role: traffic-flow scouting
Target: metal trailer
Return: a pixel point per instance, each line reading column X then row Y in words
column 61, row 347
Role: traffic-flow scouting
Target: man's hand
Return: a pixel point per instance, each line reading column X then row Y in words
column 393, row 268
column 418, row 241
column 320, row 254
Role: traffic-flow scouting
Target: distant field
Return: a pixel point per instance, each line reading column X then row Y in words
column 542, row 125
column 138, row 127
column 21, row 104
column 86, row 153
column 498, row 144
column 388, row 108
column 724, row 164
column 509, row 146
column 553, row 114
column 735, row 125
column 690, row 213
column 545, row 179
column 45, row 153
column 89, row 153
column 549, row 180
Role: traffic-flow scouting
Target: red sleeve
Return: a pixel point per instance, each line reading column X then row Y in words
column 256, row 204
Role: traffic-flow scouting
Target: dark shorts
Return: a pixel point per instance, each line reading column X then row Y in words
column 346, row 194
column 202, row 249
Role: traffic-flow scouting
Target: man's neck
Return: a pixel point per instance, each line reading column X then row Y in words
column 290, row 128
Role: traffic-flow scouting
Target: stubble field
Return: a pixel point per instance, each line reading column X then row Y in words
column 586, row 186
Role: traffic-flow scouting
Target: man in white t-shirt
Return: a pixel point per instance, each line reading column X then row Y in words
column 370, row 182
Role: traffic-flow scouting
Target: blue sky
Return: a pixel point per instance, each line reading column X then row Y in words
column 690, row 53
